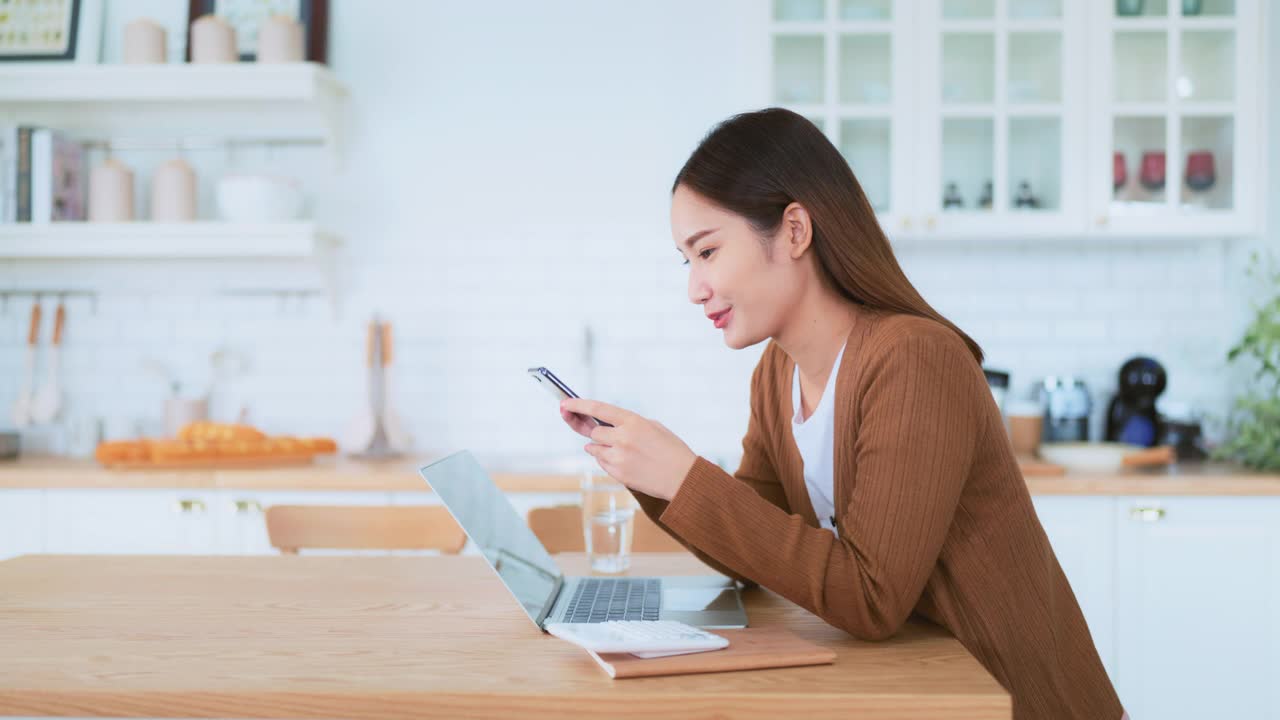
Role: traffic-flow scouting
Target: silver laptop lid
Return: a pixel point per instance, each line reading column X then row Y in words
column 489, row 519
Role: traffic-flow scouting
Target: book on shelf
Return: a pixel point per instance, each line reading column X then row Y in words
column 42, row 176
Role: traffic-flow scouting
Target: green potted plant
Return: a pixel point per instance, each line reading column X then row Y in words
column 1253, row 428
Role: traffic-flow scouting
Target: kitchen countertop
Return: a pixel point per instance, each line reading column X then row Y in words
column 327, row 473
column 384, row 637
column 401, row 475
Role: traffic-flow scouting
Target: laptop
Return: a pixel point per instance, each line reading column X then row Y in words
column 545, row 593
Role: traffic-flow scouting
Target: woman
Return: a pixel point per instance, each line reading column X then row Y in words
column 877, row 480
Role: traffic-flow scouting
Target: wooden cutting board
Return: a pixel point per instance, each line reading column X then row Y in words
column 249, row 462
column 1034, row 467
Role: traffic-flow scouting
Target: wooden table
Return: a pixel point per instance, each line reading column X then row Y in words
column 384, row 637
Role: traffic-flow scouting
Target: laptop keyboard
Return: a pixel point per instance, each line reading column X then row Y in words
column 601, row 599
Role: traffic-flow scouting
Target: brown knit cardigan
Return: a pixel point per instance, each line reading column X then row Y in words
column 934, row 517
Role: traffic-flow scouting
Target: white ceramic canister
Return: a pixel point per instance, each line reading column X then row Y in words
column 111, row 192
column 144, row 42
column 213, row 40
column 173, row 192
column 280, row 40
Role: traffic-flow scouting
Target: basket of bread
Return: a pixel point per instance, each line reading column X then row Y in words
column 207, row 444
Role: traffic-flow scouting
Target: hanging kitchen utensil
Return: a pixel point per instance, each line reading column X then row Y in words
column 48, row 399
column 397, row 438
column 360, row 431
column 22, row 406
column 381, row 434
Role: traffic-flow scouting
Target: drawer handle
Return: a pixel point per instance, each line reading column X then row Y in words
column 244, row 507
column 191, row 506
column 1147, row 514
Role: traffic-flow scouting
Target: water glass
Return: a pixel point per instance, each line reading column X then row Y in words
column 608, row 522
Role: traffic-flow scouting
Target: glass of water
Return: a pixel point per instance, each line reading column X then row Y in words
column 608, row 521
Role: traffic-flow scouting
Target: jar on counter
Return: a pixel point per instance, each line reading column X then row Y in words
column 1067, row 404
column 1180, row 427
column 998, row 381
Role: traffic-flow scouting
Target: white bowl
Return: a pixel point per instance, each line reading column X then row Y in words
column 259, row 198
column 1087, row 456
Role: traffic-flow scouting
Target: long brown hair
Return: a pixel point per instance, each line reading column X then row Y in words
column 755, row 164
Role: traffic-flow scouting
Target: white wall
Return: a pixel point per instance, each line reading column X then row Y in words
column 507, row 184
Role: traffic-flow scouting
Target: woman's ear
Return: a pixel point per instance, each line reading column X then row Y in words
column 797, row 230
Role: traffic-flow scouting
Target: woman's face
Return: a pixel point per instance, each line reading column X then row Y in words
column 746, row 286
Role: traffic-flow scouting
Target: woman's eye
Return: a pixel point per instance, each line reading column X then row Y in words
column 704, row 255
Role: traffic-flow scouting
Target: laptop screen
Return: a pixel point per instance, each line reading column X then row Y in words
column 493, row 524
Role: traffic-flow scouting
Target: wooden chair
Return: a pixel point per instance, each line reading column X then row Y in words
column 560, row 529
column 335, row 527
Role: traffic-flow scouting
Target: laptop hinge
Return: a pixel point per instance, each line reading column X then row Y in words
column 551, row 602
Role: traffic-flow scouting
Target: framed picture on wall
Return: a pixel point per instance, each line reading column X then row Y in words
column 68, row 30
column 247, row 15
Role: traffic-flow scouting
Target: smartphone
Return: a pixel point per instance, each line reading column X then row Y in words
column 556, row 387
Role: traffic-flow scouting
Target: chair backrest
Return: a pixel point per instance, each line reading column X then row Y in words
column 560, row 530
column 336, row 527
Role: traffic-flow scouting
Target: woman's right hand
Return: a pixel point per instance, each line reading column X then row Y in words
column 581, row 424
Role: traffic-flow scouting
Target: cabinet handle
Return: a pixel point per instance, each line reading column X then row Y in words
column 931, row 222
column 191, row 506
column 1101, row 221
column 906, row 223
column 244, row 507
column 1147, row 514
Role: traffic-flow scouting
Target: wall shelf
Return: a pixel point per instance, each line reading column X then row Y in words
column 287, row 101
column 255, row 248
column 162, row 241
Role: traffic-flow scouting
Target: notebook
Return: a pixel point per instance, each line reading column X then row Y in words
column 749, row 649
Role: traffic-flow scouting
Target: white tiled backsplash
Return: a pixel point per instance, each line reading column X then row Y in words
column 506, row 184
column 467, row 325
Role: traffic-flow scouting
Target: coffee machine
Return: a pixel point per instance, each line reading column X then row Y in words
column 1132, row 416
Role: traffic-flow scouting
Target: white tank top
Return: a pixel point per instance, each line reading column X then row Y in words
column 815, row 438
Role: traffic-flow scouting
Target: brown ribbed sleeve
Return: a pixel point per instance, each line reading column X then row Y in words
column 912, row 448
column 755, row 471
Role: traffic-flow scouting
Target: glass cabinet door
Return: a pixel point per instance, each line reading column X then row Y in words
column 839, row 63
column 1175, row 154
column 998, row 137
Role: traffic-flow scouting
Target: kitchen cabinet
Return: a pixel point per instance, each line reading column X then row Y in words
column 1182, row 597
column 21, row 522
column 221, row 521
column 848, row 68
column 1032, row 118
column 999, row 116
column 129, row 521
column 1176, row 117
column 1082, row 532
column 1198, row 608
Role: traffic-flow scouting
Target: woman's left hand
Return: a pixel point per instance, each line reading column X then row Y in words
column 637, row 452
